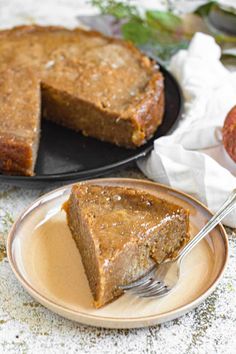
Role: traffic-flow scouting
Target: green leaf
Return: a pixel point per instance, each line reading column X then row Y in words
column 136, row 31
column 121, row 11
column 205, row 9
column 223, row 19
column 117, row 9
column 166, row 20
column 165, row 51
column 229, row 52
column 228, row 57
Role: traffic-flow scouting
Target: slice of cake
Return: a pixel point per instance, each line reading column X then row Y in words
column 120, row 233
column 100, row 86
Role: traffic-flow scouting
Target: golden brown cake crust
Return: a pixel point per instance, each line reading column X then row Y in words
column 121, row 233
column 102, row 86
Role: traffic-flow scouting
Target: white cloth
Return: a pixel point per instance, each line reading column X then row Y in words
column 192, row 158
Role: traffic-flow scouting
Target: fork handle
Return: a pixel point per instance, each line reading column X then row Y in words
column 225, row 209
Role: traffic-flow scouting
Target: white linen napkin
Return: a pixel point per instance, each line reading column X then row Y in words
column 192, row 158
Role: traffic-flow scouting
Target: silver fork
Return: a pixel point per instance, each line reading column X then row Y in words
column 163, row 277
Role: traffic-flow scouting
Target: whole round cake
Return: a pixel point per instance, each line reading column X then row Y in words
column 101, row 86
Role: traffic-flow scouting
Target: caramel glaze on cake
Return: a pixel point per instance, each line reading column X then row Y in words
column 101, row 86
column 121, row 233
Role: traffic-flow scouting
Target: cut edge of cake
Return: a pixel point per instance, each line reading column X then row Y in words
column 19, row 135
column 136, row 258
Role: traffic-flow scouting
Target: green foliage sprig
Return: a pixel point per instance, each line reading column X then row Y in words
column 165, row 32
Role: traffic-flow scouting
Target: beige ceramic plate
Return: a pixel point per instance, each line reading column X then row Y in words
column 46, row 261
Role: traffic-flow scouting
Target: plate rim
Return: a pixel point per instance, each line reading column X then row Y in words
column 97, row 171
column 109, row 321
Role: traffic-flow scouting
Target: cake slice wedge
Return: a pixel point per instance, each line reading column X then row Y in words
column 120, row 233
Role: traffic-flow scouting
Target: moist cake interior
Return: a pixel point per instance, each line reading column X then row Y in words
column 121, row 233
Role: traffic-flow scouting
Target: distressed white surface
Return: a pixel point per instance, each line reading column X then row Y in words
column 27, row 327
